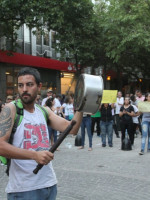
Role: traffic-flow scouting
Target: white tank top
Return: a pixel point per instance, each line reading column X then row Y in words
column 31, row 134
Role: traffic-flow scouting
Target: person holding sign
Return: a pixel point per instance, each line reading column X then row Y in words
column 145, row 126
column 106, row 124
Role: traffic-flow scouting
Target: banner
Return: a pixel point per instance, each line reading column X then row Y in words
column 144, row 106
column 109, row 96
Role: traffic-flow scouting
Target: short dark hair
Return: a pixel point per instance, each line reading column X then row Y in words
column 133, row 98
column 139, row 91
column 49, row 102
column 30, row 71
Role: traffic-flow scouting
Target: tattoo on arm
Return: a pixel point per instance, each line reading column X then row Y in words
column 5, row 121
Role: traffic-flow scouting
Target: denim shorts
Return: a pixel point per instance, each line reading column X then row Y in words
column 49, row 193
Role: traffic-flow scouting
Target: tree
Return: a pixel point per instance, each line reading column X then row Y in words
column 74, row 21
column 126, row 32
column 79, row 35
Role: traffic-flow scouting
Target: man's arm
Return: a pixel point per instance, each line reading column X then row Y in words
column 7, row 150
column 60, row 124
column 6, row 121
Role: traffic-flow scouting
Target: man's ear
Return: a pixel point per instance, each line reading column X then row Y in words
column 39, row 87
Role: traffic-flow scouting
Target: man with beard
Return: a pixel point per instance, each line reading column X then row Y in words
column 31, row 142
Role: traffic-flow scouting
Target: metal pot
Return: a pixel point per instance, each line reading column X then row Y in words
column 88, row 93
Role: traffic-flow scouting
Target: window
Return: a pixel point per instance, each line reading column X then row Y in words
column 38, row 38
column 46, row 38
column 11, row 80
column 26, row 33
column 53, row 39
column 20, row 33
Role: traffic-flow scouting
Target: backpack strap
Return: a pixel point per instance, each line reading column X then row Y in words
column 44, row 111
column 17, row 122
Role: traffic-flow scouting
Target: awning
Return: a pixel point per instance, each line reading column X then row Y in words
column 35, row 61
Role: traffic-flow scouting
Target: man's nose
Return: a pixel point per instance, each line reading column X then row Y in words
column 24, row 88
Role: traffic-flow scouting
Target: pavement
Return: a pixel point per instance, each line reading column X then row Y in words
column 101, row 174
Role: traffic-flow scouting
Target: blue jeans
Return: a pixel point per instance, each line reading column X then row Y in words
column 53, row 133
column 107, row 129
column 86, row 123
column 40, row 194
column 145, row 133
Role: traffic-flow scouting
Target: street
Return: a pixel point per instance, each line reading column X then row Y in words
column 102, row 174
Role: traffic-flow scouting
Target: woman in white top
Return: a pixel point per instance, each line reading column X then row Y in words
column 118, row 104
column 68, row 108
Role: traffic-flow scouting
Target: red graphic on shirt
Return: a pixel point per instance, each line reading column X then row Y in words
column 35, row 137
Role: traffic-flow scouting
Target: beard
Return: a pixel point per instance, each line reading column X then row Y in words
column 27, row 100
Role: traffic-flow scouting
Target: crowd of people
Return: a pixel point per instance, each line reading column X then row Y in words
column 122, row 118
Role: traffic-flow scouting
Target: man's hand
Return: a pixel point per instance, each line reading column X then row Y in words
column 43, row 157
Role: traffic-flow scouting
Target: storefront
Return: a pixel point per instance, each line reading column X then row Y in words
column 51, row 73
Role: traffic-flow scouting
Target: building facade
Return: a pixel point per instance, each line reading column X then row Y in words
column 34, row 50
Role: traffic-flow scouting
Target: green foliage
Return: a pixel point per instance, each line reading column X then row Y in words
column 126, row 33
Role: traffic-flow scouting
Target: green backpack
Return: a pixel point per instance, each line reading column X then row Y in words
column 17, row 122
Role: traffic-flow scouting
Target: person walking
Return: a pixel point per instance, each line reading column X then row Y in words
column 31, row 142
column 145, row 129
column 106, row 124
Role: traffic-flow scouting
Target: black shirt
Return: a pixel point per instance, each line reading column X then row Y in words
column 106, row 113
column 125, row 117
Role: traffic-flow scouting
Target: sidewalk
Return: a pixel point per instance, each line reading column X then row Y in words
column 102, row 174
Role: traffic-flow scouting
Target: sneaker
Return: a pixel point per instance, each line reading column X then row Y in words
column 103, row 145
column 110, row 145
column 141, row 152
